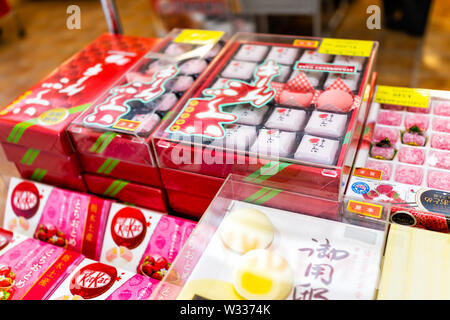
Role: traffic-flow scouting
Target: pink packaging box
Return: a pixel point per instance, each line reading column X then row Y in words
column 94, row 280
column 67, row 219
column 143, row 241
column 31, row 269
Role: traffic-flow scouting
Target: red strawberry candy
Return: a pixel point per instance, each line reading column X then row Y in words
column 157, row 276
column 161, row 263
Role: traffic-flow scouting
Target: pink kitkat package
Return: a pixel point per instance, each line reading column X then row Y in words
column 143, row 241
column 66, row 219
column 95, row 280
column 31, row 269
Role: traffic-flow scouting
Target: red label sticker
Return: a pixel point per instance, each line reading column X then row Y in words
column 368, row 173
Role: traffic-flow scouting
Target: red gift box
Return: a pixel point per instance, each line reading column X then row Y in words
column 62, row 179
column 33, row 158
column 187, row 204
column 184, row 143
column 127, row 192
column 119, row 169
column 39, row 117
column 191, row 183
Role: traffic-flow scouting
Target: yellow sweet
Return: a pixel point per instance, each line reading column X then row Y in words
column 264, row 275
column 246, row 229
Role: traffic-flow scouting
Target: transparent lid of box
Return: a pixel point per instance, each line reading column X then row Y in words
column 243, row 248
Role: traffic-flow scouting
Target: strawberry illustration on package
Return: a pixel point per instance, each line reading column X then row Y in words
column 63, row 218
column 143, row 241
column 31, row 269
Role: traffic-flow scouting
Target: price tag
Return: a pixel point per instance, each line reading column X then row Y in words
column 360, row 48
column 408, row 97
column 307, row 44
column 193, row 36
column 368, row 173
column 364, row 208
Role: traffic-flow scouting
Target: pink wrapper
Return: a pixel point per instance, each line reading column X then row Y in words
column 440, row 141
column 411, row 155
column 390, row 118
column 421, row 121
column 385, row 167
column 439, row 179
column 414, row 139
column 439, row 159
column 409, row 175
column 442, row 109
column 392, row 107
column 381, row 133
column 418, row 110
column 441, row 125
column 384, row 153
column 137, row 288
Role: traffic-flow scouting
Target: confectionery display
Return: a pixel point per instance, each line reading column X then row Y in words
column 409, row 165
column 271, row 254
column 112, row 137
column 32, row 127
column 207, row 166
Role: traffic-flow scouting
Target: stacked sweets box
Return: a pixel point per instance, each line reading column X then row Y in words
column 404, row 158
column 250, row 250
column 60, row 217
column 32, row 128
column 112, row 138
column 131, row 238
column 34, row 270
column 279, row 109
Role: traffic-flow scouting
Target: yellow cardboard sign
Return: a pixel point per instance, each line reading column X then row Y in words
column 408, row 97
column 346, row 47
column 194, row 36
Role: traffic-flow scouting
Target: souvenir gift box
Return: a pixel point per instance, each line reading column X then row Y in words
column 128, row 192
column 276, row 108
column 405, row 159
column 32, row 269
column 38, row 118
column 415, row 266
column 248, row 250
column 64, row 218
column 113, row 135
column 143, row 241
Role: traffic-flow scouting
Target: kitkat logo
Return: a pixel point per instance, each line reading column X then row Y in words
column 25, row 200
column 93, row 280
column 128, row 227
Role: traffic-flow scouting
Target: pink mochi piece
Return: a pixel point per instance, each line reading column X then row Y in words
column 439, row 159
column 386, row 168
column 440, row 141
column 296, row 99
column 414, row 139
column 409, row 175
column 384, row 153
column 411, row 155
column 442, row 109
column 439, row 180
column 381, row 133
column 441, row 124
column 421, row 121
column 390, row 118
column 335, row 100
column 392, row 107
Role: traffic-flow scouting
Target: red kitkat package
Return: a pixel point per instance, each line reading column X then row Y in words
column 38, row 118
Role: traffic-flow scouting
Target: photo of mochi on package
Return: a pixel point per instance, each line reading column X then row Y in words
column 143, row 241
column 63, row 218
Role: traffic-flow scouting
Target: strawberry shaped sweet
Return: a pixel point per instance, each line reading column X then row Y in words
column 7, row 294
column 48, row 233
column 6, row 277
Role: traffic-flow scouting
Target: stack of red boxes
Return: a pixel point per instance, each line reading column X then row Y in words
column 32, row 128
column 279, row 110
column 112, row 138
